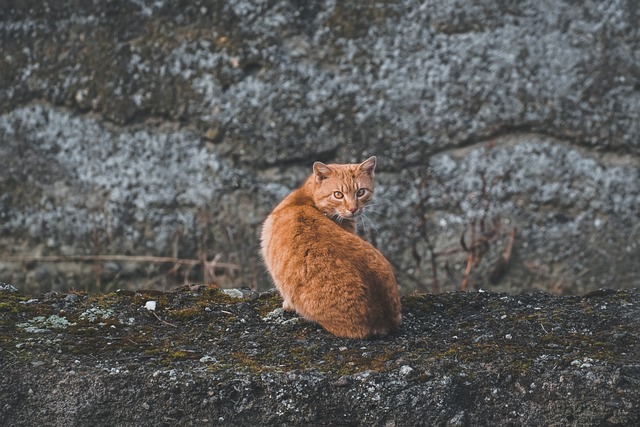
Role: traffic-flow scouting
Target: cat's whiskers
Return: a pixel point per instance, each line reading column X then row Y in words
column 364, row 218
column 337, row 218
column 362, row 221
column 371, row 207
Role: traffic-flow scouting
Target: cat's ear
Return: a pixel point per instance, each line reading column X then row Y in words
column 321, row 171
column 368, row 166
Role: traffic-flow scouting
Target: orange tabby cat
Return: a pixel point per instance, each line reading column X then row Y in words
column 322, row 269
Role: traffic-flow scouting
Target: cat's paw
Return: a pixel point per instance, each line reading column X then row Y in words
column 286, row 305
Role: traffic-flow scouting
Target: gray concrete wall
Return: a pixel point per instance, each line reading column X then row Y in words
column 171, row 129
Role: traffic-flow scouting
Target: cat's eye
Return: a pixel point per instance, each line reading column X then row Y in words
column 360, row 192
column 338, row 195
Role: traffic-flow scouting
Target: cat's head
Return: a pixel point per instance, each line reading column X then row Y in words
column 342, row 191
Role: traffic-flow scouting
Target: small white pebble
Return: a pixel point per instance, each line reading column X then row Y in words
column 150, row 305
column 208, row 359
column 508, row 336
column 405, row 370
column 233, row 293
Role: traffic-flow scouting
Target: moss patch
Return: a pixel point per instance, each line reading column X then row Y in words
column 209, row 329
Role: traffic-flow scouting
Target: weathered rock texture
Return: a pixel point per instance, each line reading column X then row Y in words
column 165, row 128
column 205, row 357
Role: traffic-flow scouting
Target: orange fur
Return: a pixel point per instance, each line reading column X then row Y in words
column 322, row 269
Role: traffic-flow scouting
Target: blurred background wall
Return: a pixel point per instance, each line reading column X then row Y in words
column 142, row 143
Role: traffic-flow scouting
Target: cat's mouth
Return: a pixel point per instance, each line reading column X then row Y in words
column 348, row 214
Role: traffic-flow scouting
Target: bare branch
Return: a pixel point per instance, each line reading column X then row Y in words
column 124, row 258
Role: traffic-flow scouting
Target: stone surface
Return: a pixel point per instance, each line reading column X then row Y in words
column 204, row 357
column 171, row 129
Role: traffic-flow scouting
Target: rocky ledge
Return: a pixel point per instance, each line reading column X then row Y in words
column 200, row 355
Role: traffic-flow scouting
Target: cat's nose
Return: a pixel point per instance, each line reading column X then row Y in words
column 353, row 210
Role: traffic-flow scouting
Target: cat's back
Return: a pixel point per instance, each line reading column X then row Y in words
column 328, row 274
column 301, row 231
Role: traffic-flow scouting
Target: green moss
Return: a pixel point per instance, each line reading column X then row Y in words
column 8, row 307
column 456, row 331
column 8, row 297
column 266, row 304
column 16, row 304
column 418, row 303
column 247, row 362
column 179, row 355
column 170, row 352
column 214, row 295
column 186, row 314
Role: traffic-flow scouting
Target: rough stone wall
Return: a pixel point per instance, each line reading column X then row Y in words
column 165, row 128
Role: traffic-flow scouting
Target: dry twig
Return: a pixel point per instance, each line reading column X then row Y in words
column 163, row 321
column 124, row 258
column 501, row 266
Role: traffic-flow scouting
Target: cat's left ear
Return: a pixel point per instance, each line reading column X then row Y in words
column 321, row 171
column 369, row 166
